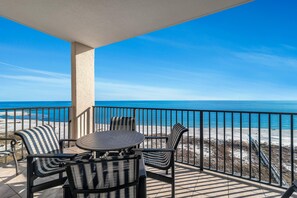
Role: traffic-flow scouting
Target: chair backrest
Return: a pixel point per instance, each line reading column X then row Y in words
column 110, row 177
column 175, row 135
column 40, row 139
column 122, row 123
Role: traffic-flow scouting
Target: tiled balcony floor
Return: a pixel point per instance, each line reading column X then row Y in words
column 190, row 182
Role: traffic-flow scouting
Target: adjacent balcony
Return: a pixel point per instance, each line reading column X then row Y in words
column 224, row 154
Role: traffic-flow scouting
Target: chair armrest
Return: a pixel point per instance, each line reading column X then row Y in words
column 61, row 142
column 156, row 137
column 8, row 139
column 154, row 150
column 62, row 155
column 67, row 140
column 142, row 171
column 12, row 142
column 11, row 139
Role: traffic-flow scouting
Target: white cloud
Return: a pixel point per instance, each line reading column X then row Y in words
column 38, row 79
column 177, row 84
column 267, row 59
column 42, row 77
column 35, row 71
column 289, row 47
column 166, row 42
column 207, row 84
column 107, row 89
column 25, row 84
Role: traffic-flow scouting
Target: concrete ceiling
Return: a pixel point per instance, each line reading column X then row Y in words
column 101, row 22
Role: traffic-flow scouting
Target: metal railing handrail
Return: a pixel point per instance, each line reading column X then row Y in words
column 204, row 110
column 220, row 135
column 38, row 107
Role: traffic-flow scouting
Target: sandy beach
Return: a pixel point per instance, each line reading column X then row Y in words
column 211, row 133
column 61, row 129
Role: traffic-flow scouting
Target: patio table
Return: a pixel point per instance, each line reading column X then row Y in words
column 110, row 140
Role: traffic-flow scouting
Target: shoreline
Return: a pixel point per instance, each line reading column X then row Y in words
column 162, row 130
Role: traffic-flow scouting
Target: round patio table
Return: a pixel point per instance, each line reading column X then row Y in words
column 110, row 140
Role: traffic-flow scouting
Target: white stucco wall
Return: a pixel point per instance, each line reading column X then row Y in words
column 82, row 88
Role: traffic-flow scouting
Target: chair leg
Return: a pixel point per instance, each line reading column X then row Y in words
column 173, row 178
column 290, row 191
column 15, row 163
column 30, row 179
column 167, row 172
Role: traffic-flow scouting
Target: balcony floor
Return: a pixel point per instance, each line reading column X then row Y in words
column 190, row 182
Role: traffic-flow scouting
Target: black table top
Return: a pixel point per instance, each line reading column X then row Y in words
column 110, row 140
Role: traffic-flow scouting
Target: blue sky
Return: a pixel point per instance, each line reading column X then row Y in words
column 245, row 53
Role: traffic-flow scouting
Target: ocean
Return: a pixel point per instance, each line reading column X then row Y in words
column 258, row 106
column 250, row 106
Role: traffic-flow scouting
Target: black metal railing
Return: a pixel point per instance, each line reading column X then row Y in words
column 14, row 119
column 257, row 146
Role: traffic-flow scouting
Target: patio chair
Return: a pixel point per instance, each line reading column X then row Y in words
column 122, row 123
column 45, row 157
column 163, row 158
column 290, row 190
column 10, row 152
column 107, row 177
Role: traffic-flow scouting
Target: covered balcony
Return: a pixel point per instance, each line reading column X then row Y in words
column 224, row 153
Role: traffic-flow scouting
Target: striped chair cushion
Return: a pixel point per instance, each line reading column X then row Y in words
column 174, row 138
column 120, row 173
column 40, row 140
column 122, row 123
column 43, row 140
column 162, row 159
column 48, row 166
column 157, row 159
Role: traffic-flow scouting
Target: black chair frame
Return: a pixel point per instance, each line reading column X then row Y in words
column 75, row 192
column 13, row 143
column 31, row 188
column 169, row 180
column 290, row 190
column 171, row 164
column 31, row 176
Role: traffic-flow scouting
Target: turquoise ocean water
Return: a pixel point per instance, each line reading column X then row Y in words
column 254, row 106
column 261, row 106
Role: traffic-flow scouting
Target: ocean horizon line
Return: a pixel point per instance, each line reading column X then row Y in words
column 6, row 101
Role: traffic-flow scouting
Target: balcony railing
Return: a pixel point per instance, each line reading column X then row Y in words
column 257, row 146
column 14, row 119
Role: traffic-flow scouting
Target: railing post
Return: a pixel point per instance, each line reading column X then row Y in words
column 69, row 122
column 93, row 127
column 201, row 141
column 134, row 112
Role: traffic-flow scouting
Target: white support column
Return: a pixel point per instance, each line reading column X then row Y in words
column 82, row 89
